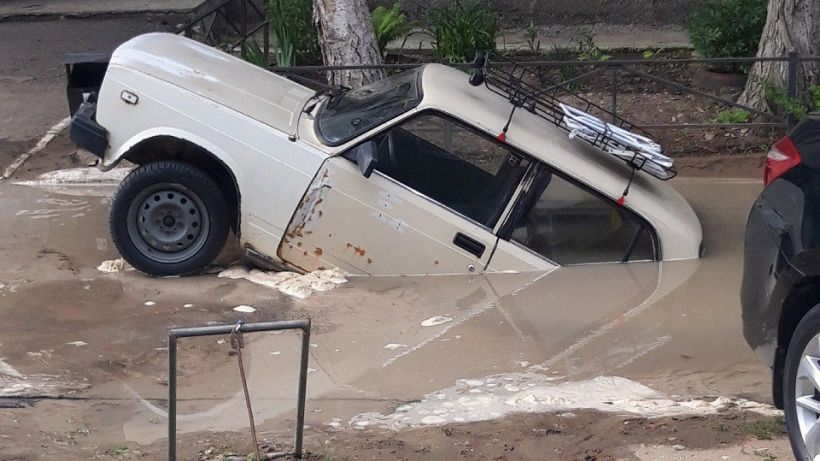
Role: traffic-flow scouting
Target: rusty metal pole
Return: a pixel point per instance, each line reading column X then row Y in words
column 303, row 369
column 172, row 397
column 175, row 334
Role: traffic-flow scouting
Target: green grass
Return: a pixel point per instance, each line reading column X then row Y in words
column 765, row 429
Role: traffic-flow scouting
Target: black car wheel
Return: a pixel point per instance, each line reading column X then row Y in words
column 169, row 218
column 801, row 387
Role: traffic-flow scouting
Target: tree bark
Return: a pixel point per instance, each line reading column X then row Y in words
column 346, row 38
column 790, row 26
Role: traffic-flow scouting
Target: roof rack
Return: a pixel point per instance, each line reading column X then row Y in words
column 619, row 138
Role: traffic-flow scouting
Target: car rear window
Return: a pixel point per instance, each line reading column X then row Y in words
column 350, row 114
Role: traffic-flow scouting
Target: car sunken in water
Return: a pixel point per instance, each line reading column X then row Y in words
column 423, row 172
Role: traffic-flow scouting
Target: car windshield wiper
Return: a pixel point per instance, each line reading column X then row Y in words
column 336, row 96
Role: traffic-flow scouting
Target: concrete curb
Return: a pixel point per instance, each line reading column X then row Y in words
column 23, row 9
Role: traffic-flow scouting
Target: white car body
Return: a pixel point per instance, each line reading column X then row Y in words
column 301, row 204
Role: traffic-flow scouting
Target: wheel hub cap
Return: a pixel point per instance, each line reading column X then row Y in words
column 807, row 397
column 168, row 223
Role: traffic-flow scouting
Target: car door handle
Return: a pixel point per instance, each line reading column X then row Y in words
column 471, row 245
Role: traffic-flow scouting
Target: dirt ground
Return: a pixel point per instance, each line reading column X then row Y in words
column 75, row 422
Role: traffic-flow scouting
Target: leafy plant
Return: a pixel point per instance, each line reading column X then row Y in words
column 253, row 54
column 291, row 23
column 533, row 43
column 565, row 71
column 117, row 450
column 389, row 24
column 733, row 115
column 459, row 30
column 727, row 29
column 588, row 50
column 797, row 107
column 651, row 54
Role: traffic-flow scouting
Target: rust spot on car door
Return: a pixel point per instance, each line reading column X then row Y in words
column 358, row 250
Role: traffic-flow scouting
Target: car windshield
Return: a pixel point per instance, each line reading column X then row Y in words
column 348, row 115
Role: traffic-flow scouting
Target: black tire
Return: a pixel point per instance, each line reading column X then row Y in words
column 799, row 418
column 169, row 218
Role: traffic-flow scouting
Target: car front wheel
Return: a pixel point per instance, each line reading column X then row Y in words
column 169, row 218
column 801, row 390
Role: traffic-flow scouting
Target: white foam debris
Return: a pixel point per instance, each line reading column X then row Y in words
column 187, row 305
column 79, row 177
column 14, row 383
column 149, row 303
column 290, row 283
column 77, row 343
column 335, row 424
column 437, row 320
column 245, row 309
column 481, row 400
column 115, row 265
column 393, row 347
column 7, row 370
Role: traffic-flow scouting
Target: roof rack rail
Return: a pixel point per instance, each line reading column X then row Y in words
column 517, row 84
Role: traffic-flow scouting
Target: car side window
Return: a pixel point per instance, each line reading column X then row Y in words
column 571, row 225
column 458, row 167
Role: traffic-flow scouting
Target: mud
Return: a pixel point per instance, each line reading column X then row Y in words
column 70, row 331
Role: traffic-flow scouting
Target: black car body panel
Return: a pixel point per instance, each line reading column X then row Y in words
column 781, row 267
column 86, row 132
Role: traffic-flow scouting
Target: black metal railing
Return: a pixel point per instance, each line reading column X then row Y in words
column 228, row 24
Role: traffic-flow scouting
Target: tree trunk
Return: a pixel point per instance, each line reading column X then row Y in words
column 346, row 38
column 790, row 26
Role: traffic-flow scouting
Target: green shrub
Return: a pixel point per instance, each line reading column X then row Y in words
column 459, row 30
column 389, row 24
column 563, row 72
column 252, row 53
column 533, row 43
column 797, row 107
column 295, row 37
column 727, row 29
column 588, row 50
column 733, row 115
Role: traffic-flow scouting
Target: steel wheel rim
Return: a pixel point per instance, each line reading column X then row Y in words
column 807, row 397
column 168, row 223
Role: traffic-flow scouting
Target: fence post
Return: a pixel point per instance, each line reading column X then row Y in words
column 791, row 84
column 615, row 95
column 172, row 398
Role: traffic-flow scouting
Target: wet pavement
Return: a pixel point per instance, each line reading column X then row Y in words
column 382, row 348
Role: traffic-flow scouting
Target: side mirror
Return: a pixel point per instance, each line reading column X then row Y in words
column 366, row 158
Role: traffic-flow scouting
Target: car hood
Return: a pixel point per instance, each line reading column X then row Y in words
column 217, row 76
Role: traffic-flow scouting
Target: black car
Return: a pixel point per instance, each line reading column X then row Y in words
column 780, row 292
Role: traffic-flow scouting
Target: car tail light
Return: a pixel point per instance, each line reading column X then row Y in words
column 781, row 158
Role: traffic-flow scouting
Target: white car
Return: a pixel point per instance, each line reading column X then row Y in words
column 420, row 173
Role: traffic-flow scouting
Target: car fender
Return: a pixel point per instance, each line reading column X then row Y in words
column 114, row 157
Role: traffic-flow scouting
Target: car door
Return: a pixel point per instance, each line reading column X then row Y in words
column 437, row 194
column 569, row 223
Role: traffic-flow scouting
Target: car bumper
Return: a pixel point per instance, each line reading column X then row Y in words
column 86, row 132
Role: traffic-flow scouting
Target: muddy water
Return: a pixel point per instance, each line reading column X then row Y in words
column 378, row 343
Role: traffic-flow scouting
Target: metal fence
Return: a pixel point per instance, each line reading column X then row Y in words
column 175, row 334
column 248, row 20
